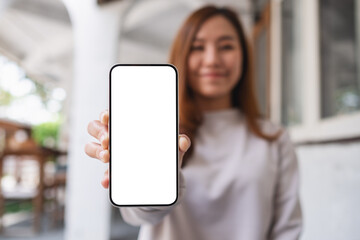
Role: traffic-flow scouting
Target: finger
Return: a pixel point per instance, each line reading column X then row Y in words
column 105, row 180
column 104, row 141
column 95, row 150
column 100, row 132
column 184, row 145
column 104, row 117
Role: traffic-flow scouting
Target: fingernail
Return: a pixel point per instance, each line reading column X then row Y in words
column 181, row 142
column 102, row 138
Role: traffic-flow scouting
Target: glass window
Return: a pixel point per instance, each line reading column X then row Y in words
column 290, row 68
column 340, row 84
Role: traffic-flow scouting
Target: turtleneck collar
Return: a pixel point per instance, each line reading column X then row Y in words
column 229, row 113
column 223, row 116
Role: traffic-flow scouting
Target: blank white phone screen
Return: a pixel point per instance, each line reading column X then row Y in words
column 143, row 135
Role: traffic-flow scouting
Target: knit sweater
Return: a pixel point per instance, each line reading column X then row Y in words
column 234, row 186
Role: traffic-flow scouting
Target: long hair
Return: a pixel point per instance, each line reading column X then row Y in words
column 243, row 94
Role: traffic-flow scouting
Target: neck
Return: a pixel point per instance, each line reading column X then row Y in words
column 213, row 104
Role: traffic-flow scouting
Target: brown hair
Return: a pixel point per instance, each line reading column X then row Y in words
column 243, row 96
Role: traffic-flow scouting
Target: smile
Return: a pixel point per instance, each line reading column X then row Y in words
column 213, row 75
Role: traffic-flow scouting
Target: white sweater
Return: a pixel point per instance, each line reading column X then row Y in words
column 238, row 187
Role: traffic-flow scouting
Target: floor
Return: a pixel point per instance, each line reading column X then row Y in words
column 19, row 226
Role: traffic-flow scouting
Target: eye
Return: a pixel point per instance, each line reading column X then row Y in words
column 197, row 48
column 226, row 47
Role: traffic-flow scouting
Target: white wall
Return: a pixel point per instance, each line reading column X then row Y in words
column 330, row 191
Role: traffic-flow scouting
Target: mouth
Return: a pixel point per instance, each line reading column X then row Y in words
column 213, row 75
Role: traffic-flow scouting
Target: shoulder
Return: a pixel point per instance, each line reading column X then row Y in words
column 283, row 147
column 270, row 128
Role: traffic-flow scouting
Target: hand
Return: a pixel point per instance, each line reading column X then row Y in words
column 99, row 130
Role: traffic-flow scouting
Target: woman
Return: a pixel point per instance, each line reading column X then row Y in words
column 239, row 178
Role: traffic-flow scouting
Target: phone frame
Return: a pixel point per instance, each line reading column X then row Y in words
column 177, row 135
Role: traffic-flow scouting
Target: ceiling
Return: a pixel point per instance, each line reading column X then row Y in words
column 38, row 34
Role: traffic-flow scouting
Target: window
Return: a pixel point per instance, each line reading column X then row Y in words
column 319, row 68
column 340, row 81
column 291, row 92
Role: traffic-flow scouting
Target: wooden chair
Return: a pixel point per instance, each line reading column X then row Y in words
column 28, row 149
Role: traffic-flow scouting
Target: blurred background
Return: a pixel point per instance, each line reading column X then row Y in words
column 54, row 61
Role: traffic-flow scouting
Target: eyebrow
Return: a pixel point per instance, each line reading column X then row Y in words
column 222, row 38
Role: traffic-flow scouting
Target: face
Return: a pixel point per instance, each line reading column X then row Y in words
column 215, row 59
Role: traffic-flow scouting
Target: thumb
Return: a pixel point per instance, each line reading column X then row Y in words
column 184, row 145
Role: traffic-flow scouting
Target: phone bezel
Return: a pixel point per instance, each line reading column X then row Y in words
column 177, row 134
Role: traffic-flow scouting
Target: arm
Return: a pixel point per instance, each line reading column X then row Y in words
column 151, row 215
column 287, row 220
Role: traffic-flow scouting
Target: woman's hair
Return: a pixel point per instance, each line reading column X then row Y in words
column 243, row 95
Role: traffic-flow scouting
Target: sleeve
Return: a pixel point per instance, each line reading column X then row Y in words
column 137, row 216
column 287, row 220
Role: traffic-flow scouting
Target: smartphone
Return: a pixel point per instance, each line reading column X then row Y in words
column 143, row 129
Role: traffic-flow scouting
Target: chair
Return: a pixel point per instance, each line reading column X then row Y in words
column 19, row 151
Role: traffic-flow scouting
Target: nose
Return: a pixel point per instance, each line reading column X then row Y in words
column 211, row 56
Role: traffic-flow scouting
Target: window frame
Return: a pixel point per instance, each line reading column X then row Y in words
column 313, row 128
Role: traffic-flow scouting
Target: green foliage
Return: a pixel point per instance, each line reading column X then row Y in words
column 46, row 134
column 42, row 91
column 17, row 206
column 5, row 97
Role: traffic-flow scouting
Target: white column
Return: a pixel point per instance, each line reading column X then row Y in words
column 96, row 31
